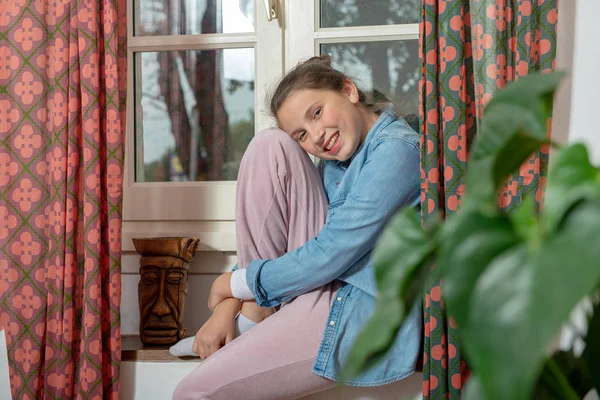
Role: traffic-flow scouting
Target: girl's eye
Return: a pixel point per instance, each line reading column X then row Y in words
column 317, row 113
column 302, row 136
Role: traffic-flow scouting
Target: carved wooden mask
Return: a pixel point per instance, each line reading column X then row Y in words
column 162, row 291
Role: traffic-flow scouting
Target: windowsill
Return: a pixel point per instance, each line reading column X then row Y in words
column 133, row 350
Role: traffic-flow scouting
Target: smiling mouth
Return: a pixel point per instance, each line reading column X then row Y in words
column 332, row 141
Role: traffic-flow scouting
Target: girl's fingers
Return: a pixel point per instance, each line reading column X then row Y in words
column 195, row 345
column 229, row 337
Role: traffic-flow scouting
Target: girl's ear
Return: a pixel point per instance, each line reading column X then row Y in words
column 351, row 91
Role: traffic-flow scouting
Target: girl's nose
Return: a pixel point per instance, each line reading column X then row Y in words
column 318, row 136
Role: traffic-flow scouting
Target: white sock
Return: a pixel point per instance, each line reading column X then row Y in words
column 183, row 348
column 243, row 324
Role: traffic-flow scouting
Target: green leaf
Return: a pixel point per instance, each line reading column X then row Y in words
column 591, row 353
column 495, row 309
column 521, row 300
column 571, row 179
column 375, row 339
column 473, row 389
column 402, row 263
column 469, row 241
column 514, row 126
column 508, row 137
column 535, row 91
column 524, row 220
column 574, row 371
column 403, row 245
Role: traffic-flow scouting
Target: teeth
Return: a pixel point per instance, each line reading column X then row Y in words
column 332, row 142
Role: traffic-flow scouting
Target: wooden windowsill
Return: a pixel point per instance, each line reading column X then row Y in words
column 133, row 350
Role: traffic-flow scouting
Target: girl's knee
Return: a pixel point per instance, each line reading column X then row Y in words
column 273, row 139
column 273, row 133
column 272, row 151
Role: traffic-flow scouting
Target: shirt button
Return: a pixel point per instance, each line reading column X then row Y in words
column 332, row 323
column 339, row 299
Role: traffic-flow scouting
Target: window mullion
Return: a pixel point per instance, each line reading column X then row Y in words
column 382, row 32
column 191, row 42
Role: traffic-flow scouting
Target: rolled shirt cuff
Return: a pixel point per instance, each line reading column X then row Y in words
column 239, row 286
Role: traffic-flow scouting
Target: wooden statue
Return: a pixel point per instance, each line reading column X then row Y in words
column 162, row 289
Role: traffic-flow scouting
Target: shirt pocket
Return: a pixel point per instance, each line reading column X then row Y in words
column 337, row 203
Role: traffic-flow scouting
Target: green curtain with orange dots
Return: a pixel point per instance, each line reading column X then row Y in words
column 470, row 50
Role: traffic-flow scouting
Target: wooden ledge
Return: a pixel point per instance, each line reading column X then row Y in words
column 132, row 349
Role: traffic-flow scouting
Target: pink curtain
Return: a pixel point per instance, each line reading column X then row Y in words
column 62, row 126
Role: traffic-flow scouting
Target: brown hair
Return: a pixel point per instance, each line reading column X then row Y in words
column 315, row 73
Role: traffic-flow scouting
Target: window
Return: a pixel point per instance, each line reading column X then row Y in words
column 198, row 75
column 373, row 41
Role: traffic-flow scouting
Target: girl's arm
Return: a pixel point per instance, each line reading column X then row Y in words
column 389, row 180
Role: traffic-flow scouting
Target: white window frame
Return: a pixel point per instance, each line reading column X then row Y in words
column 196, row 200
column 305, row 37
column 149, row 208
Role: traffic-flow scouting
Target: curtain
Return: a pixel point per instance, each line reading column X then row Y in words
column 470, row 50
column 62, row 125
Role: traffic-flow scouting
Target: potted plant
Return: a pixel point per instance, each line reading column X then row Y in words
column 510, row 281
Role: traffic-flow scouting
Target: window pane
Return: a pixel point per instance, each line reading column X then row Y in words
column 337, row 13
column 194, row 114
column 389, row 68
column 193, row 17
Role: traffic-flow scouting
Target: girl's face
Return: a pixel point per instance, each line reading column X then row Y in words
column 327, row 124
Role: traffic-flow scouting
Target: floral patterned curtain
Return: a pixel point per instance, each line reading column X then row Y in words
column 62, row 125
column 470, row 50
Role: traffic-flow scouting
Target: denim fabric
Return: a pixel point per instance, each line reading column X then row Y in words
column 364, row 193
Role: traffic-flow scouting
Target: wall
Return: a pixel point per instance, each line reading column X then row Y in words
column 585, row 94
column 578, row 100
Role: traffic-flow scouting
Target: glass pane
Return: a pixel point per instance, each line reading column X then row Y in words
column 194, row 114
column 193, row 17
column 337, row 13
column 389, row 68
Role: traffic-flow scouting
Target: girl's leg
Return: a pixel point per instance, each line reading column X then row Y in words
column 272, row 361
column 280, row 201
column 276, row 211
column 280, row 205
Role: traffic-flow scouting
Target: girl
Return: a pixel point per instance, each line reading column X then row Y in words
column 304, row 239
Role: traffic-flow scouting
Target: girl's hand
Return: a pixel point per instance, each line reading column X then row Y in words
column 218, row 330
column 220, row 290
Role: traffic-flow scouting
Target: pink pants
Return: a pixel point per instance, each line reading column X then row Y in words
column 281, row 204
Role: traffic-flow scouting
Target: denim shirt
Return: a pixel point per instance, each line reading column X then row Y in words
column 364, row 193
